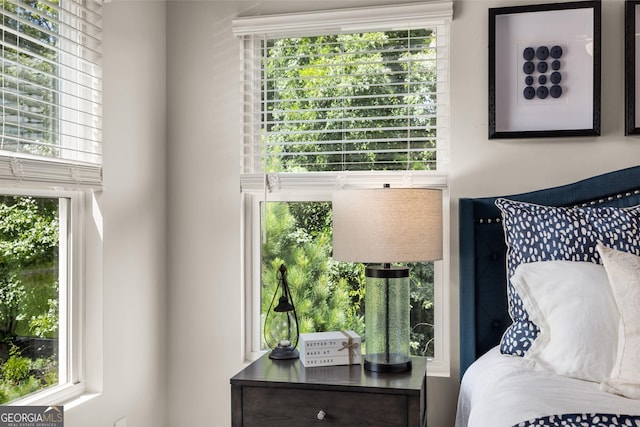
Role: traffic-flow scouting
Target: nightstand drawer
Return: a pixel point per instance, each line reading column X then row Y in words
column 271, row 406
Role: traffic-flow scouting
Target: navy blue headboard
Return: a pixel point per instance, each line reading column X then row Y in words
column 483, row 298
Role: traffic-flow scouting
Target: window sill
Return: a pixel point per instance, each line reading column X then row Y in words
column 438, row 368
column 68, row 396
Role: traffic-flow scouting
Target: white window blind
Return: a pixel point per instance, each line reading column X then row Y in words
column 345, row 93
column 51, row 92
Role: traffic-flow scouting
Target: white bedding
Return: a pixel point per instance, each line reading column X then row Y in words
column 499, row 391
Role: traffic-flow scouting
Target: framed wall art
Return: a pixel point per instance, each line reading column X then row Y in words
column 544, row 70
column 631, row 64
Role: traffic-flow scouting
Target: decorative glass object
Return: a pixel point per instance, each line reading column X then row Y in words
column 281, row 323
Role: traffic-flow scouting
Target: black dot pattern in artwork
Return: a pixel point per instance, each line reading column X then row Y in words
column 542, row 92
column 538, row 61
column 542, row 52
column 529, row 92
column 528, row 53
column 528, row 67
column 542, row 67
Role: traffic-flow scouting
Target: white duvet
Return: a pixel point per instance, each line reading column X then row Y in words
column 498, row 391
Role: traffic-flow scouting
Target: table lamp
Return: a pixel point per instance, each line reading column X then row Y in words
column 385, row 226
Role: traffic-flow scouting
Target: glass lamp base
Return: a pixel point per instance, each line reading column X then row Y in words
column 387, row 316
column 387, row 363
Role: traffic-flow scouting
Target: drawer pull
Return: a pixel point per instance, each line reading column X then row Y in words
column 321, row 415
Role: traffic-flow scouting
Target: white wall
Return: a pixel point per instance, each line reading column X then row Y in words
column 133, row 379
column 202, row 339
column 205, row 330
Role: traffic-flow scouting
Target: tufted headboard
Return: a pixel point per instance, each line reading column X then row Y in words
column 483, row 295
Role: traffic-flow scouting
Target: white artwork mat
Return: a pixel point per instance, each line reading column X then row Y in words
column 572, row 30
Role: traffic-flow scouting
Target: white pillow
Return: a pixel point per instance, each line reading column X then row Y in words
column 572, row 304
column 624, row 276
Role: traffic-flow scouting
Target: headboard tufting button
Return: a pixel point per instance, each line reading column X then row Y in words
column 496, row 324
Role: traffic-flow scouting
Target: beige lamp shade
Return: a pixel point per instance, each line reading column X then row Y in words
column 387, row 225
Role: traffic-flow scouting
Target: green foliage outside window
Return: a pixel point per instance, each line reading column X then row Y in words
column 329, row 295
column 337, row 103
column 29, row 245
column 343, row 99
column 324, row 301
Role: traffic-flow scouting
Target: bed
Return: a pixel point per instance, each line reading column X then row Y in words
column 548, row 336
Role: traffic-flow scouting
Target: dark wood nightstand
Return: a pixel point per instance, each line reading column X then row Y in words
column 285, row 393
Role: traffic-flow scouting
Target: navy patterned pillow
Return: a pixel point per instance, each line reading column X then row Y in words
column 546, row 233
column 616, row 228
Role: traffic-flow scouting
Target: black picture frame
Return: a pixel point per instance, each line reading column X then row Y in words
column 631, row 63
column 572, row 31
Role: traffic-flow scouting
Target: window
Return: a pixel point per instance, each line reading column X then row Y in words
column 35, row 255
column 343, row 99
column 51, row 92
column 50, row 163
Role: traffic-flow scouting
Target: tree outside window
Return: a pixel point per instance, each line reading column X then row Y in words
column 336, row 103
column 329, row 295
column 29, row 271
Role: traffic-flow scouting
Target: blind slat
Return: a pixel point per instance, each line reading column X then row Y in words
column 386, row 141
column 323, row 132
column 354, row 152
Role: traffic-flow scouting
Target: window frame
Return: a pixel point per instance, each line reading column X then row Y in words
column 78, row 179
column 439, row 365
column 72, row 327
column 318, row 186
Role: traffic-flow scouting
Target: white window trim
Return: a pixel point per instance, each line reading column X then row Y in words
column 375, row 18
column 83, row 320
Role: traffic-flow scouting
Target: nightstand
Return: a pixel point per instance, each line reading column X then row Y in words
column 285, row 393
